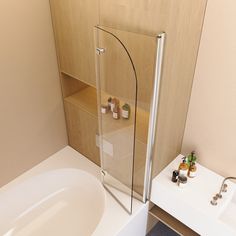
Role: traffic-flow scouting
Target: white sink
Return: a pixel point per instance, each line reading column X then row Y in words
column 228, row 215
column 191, row 205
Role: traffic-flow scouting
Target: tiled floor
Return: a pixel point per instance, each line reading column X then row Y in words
column 162, row 230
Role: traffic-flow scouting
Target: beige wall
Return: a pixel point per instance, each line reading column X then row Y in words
column 32, row 125
column 211, row 123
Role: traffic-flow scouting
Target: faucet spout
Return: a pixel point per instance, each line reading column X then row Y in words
column 224, row 186
column 223, row 189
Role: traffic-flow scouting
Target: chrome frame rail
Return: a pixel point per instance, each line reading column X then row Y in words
column 153, row 115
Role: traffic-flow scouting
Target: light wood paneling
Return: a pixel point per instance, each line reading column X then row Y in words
column 82, row 129
column 182, row 21
column 85, row 99
column 70, row 85
column 73, row 26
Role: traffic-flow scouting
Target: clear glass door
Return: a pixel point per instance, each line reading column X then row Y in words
column 123, row 109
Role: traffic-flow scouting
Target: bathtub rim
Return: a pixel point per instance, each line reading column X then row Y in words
column 70, row 158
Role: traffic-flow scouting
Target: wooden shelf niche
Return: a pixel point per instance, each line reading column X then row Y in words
column 81, row 111
column 86, row 99
column 81, row 116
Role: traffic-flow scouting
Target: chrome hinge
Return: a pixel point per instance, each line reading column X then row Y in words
column 103, row 172
column 99, row 51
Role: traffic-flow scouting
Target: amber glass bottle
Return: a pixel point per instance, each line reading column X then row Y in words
column 192, row 170
column 183, row 168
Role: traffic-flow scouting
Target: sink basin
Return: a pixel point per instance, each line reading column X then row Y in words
column 228, row 215
column 191, row 205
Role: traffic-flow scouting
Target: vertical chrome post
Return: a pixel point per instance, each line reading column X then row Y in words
column 153, row 115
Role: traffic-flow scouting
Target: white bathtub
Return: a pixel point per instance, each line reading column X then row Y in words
column 63, row 196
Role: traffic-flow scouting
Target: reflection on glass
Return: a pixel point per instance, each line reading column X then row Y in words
column 125, row 66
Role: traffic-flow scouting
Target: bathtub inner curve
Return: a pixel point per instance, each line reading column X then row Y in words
column 58, row 202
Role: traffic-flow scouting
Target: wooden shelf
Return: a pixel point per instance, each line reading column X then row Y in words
column 172, row 222
column 86, row 99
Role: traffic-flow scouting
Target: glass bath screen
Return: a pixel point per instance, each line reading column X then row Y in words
column 125, row 71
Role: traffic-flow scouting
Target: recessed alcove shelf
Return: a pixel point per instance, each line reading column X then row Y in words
column 86, row 99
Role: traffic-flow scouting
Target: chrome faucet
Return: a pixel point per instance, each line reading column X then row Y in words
column 223, row 189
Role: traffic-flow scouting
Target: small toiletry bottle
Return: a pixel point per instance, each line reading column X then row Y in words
column 114, row 102
column 126, row 111
column 183, row 168
column 175, row 176
column 182, row 181
column 116, row 113
column 192, row 170
column 109, row 103
column 104, row 109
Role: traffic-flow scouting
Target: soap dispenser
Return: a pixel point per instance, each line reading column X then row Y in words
column 183, row 167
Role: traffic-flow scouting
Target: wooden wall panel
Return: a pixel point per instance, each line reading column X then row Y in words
column 73, row 26
column 82, row 129
column 70, row 85
column 182, row 21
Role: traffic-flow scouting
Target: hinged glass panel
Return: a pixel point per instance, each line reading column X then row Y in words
column 125, row 67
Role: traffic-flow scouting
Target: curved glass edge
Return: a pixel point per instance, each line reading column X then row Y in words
column 117, row 188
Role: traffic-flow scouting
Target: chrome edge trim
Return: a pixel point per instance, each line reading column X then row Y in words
column 153, row 115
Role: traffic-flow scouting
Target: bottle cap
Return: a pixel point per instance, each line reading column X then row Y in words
column 175, row 172
column 183, row 179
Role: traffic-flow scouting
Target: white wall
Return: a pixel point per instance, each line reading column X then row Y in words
column 32, row 122
column 211, row 122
